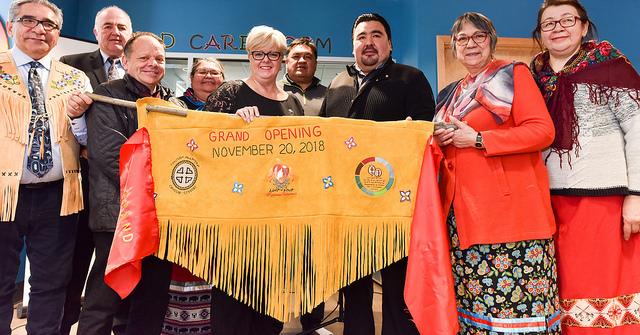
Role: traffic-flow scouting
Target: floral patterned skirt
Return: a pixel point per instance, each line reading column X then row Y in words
column 505, row 288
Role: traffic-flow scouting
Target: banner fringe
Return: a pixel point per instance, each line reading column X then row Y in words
column 8, row 201
column 253, row 261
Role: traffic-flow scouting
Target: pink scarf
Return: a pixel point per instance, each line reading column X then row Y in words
column 491, row 88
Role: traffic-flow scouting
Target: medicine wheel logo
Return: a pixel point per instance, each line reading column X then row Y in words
column 184, row 175
column 374, row 176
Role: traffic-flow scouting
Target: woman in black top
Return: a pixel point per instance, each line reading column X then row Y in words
column 259, row 94
column 249, row 98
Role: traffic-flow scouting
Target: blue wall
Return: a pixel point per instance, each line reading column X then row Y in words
column 617, row 21
column 414, row 23
column 327, row 19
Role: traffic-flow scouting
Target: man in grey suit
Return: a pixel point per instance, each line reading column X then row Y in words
column 112, row 30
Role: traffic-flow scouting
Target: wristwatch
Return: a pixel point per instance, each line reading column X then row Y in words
column 479, row 144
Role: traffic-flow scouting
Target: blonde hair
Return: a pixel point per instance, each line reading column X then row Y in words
column 262, row 36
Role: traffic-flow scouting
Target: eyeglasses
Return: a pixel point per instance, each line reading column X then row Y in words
column 30, row 22
column 272, row 55
column 204, row 72
column 565, row 22
column 478, row 37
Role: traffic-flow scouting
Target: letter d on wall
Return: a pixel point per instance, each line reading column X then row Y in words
column 171, row 37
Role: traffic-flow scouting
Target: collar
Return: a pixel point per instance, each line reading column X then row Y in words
column 355, row 71
column 191, row 96
column 361, row 73
column 21, row 59
column 105, row 57
column 142, row 90
column 315, row 82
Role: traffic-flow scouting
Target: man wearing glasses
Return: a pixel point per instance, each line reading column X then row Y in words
column 39, row 171
column 376, row 88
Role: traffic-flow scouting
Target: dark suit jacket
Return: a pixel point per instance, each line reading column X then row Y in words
column 392, row 93
column 91, row 63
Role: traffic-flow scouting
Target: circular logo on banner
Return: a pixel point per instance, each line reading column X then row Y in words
column 184, row 175
column 374, row 176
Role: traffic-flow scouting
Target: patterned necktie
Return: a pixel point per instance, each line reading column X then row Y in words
column 113, row 69
column 40, row 160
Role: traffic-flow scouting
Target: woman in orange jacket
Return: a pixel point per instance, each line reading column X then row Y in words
column 495, row 189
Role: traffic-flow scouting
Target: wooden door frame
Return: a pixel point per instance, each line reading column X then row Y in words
column 511, row 45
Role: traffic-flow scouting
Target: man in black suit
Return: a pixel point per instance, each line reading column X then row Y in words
column 112, row 30
column 376, row 88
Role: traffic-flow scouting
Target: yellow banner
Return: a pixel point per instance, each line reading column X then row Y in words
column 283, row 211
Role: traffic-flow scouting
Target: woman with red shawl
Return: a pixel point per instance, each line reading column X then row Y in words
column 593, row 96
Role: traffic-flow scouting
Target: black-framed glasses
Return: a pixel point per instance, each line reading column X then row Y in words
column 272, row 55
column 204, row 72
column 565, row 22
column 31, row 22
column 478, row 37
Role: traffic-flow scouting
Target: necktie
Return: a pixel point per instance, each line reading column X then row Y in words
column 39, row 161
column 113, row 70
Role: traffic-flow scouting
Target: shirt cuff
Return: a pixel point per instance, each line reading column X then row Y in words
column 79, row 129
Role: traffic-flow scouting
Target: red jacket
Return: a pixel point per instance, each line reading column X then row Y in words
column 501, row 194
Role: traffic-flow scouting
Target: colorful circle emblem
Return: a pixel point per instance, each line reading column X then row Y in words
column 374, row 176
column 184, row 175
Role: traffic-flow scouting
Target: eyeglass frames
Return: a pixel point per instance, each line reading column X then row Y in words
column 565, row 22
column 31, row 22
column 272, row 55
column 478, row 37
column 204, row 72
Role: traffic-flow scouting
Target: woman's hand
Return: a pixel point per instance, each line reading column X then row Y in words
column 464, row 136
column 248, row 113
column 443, row 137
column 631, row 215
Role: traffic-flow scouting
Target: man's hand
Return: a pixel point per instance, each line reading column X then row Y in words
column 78, row 103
